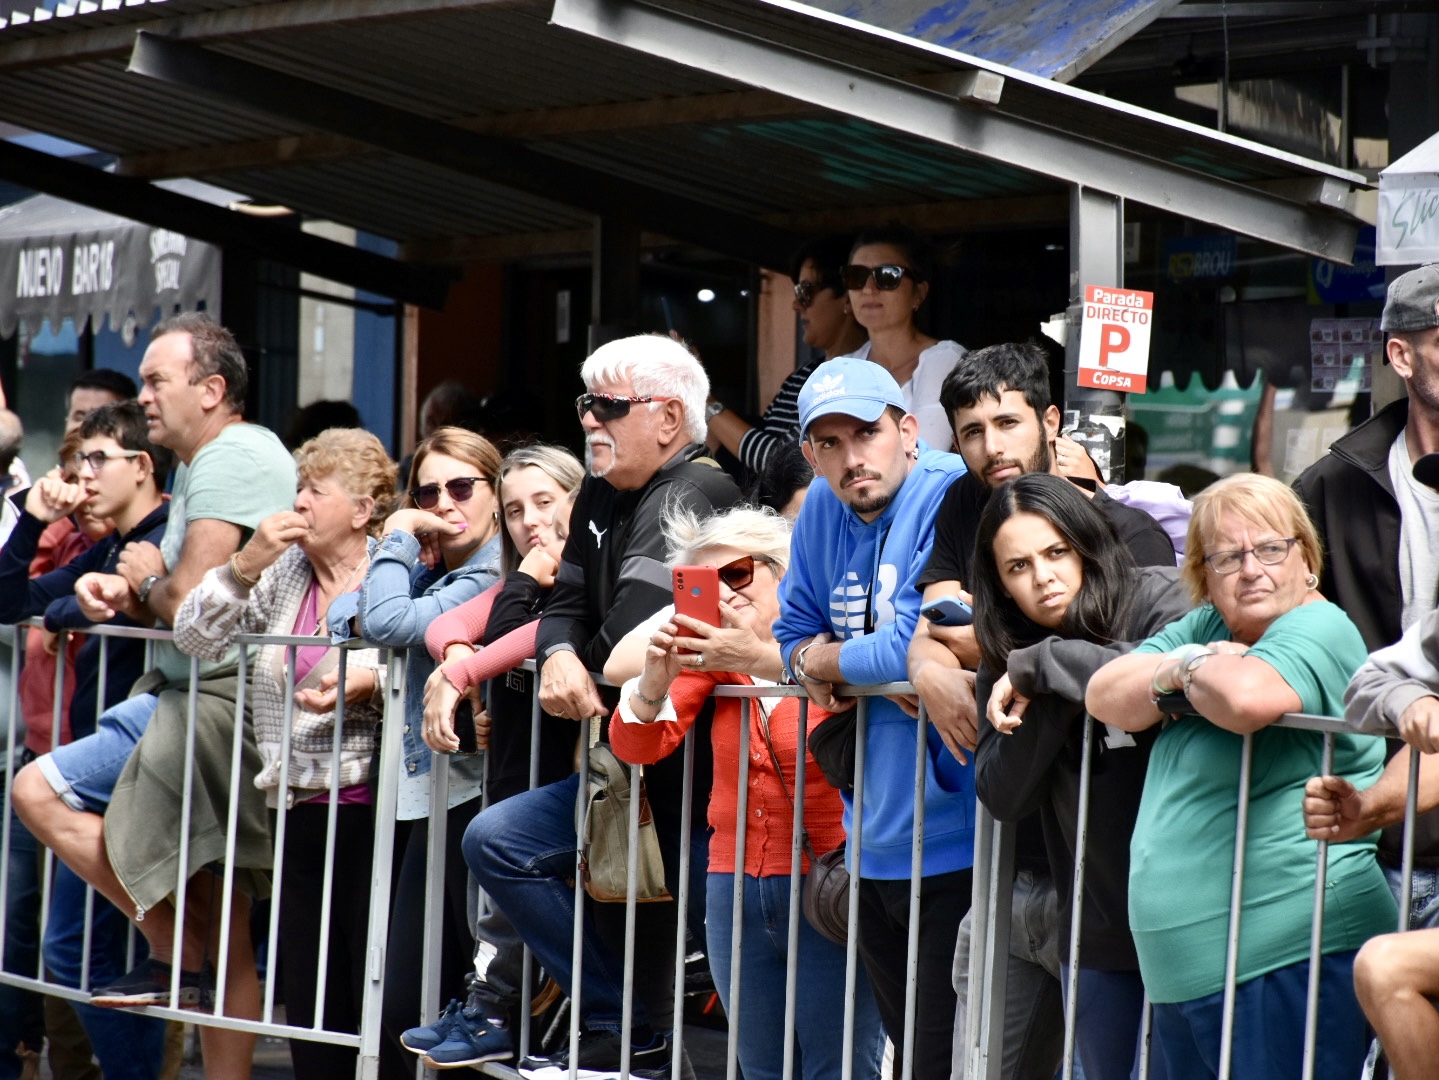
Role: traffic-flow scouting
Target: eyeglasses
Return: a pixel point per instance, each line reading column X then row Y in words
column 806, row 291
column 739, row 573
column 96, row 459
column 461, row 489
column 607, row 407
column 886, row 276
column 1269, row 553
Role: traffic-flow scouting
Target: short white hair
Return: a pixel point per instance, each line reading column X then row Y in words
column 658, row 365
column 756, row 531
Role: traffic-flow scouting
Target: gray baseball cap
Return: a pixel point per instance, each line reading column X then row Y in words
column 1413, row 301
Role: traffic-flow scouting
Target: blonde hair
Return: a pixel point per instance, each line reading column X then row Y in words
column 466, row 446
column 358, row 460
column 758, row 532
column 1260, row 499
column 558, row 464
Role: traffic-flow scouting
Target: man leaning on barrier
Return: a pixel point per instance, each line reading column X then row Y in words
column 998, row 401
column 1397, row 975
column 232, row 475
column 1377, row 517
column 644, row 422
column 848, row 608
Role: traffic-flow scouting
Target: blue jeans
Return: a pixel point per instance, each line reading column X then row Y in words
column 1108, row 1024
column 1269, row 1027
column 522, row 852
column 819, row 997
column 129, row 1046
column 84, row 772
column 1033, row 1005
column 1423, row 894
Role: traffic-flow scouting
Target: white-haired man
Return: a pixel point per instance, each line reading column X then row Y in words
column 644, row 418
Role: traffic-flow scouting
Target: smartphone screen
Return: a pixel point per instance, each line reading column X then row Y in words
column 696, row 591
column 465, row 727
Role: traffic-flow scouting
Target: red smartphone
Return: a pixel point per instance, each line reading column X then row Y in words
column 697, row 595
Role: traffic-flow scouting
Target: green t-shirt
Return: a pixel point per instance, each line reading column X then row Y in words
column 1182, row 852
column 242, row 476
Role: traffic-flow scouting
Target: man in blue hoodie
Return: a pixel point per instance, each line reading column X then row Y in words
column 848, row 608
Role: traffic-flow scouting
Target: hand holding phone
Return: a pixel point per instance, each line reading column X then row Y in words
column 696, row 593
column 948, row 611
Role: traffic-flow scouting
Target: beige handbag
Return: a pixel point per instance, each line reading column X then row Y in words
column 605, row 842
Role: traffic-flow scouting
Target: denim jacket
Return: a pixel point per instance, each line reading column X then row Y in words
column 398, row 600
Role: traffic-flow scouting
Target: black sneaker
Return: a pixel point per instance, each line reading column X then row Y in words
column 149, row 984
column 599, row 1059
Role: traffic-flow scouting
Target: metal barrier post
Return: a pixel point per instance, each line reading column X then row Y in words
column 381, row 871
column 682, row 901
column 736, row 947
column 182, row 874
column 1316, row 931
column 632, row 873
column 989, row 945
column 577, row 946
column 1411, row 804
column 436, row 830
column 796, row 882
column 1076, row 917
column 856, row 840
column 1236, row 903
column 916, row 879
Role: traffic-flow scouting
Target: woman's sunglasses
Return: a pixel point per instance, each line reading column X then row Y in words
column 461, row 489
column 886, row 276
column 739, row 573
column 806, row 291
column 607, row 407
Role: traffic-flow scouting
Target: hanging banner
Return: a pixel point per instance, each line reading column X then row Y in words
column 1114, row 339
column 59, row 260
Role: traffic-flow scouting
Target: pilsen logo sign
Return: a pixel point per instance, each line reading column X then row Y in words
column 104, row 266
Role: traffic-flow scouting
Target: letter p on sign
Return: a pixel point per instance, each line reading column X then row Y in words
column 1114, row 339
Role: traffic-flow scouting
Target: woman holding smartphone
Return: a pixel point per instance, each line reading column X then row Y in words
column 750, row 549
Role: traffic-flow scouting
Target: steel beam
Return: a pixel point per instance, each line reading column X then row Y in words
column 413, row 284
column 115, row 39
column 985, row 131
column 468, row 153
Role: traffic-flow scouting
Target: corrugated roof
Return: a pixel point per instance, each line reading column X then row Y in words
column 500, row 68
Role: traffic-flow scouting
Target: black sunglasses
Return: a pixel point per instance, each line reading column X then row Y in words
column 739, row 573
column 887, row 276
column 607, row 407
column 461, row 489
column 806, row 291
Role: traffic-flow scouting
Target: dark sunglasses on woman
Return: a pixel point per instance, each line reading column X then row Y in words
column 607, row 407
column 887, row 276
column 739, row 573
column 461, row 489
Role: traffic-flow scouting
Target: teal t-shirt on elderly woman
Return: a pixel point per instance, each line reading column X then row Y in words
column 1182, row 852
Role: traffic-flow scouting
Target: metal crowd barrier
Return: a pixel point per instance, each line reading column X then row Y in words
column 367, row 1040
column 993, row 872
column 994, row 869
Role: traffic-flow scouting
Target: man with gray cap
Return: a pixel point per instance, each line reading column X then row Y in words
column 1378, row 523
column 848, row 609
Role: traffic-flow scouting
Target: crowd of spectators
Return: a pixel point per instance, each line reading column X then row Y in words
column 1119, row 663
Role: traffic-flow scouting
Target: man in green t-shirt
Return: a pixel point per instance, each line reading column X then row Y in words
column 232, row 475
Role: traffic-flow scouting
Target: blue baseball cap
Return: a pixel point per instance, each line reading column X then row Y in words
column 851, row 386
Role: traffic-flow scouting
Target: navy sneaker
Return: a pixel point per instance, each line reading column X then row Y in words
column 473, row 1040
column 149, row 984
column 599, row 1059
column 421, row 1040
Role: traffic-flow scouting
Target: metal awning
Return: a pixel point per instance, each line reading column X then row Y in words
column 60, row 260
column 485, row 129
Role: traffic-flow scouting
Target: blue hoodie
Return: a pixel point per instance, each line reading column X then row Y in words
column 833, row 559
